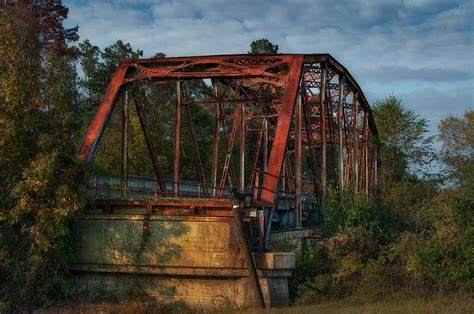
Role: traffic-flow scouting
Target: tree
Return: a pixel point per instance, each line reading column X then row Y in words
column 405, row 158
column 406, row 148
column 89, row 60
column 159, row 55
column 112, row 55
column 38, row 191
column 262, row 46
column 457, row 138
column 48, row 17
column 99, row 67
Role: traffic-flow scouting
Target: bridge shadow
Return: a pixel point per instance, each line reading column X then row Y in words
column 124, row 257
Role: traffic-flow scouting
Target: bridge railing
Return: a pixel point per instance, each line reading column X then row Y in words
column 146, row 187
column 143, row 187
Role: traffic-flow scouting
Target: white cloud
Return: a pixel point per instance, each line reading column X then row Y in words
column 384, row 43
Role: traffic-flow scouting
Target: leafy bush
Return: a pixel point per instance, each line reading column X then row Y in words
column 332, row 268
column 35, row 233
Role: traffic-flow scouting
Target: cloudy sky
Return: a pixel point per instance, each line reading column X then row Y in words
column 421, row 51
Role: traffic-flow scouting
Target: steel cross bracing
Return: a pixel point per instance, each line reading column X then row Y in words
column 286, row 129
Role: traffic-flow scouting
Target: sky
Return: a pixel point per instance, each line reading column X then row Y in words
column 421, row 51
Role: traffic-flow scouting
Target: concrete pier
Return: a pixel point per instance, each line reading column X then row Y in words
column 171, row 254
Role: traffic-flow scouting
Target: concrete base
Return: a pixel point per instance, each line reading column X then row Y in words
column 194, row 259
column 226, row 289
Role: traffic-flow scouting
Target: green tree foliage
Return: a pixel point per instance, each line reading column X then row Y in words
column 263, row 46
column 457, row 137
column 403, row 134
column 99, row 67
column 38, row 190
column 413, row 234
column 406, row 154
column 91, row 82
column 112, row 55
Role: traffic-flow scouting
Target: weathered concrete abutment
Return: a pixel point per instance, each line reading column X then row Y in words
column 186, row 250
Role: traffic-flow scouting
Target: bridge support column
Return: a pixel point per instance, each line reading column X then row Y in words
column 215, row 151
column 124, row 183
column 177, row 136
column 340, row 128
column 242, row 146
column 355, row 137
column 322, row 114
column 298, row 161
column 366, row 154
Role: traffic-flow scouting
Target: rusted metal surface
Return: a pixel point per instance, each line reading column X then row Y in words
column 323, row 120
column 303, row 126
column 215, row 150
column 177, row 139
column 125, row 121
column 340, row 129
column 298, row 158
column 355, row 138
column 102, row 116
column 282, row 129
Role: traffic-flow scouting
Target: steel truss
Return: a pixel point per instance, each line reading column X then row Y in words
column 314, row 130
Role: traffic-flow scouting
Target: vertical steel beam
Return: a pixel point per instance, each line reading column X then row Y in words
column 261, row 229
column 309, row 137
column 215, row 151
column 282, row 129
column 265, row 144
column 362, row 156
column 375, row 166
column 366, row 154
column 256, row 184
column 312, row 156
column 322, row 114
column 355, row 135
column 177, row 139
column 340, row 123
column 254, row 173
column 298, row 161
column 242, row 146
column 124, row 176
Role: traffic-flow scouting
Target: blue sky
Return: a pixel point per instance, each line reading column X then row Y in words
column 421, row 51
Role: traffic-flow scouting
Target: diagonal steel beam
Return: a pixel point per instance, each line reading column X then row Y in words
column 102, row 116
column 282, row 129
column 199, row 164
column 228, row 158
column 149, row 141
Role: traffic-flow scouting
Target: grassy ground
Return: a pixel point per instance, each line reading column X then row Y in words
column 445, row 304
column 450, row 305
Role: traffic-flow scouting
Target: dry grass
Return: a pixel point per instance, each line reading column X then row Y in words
column 450, row 305
column 443, row 304
column 119, row 308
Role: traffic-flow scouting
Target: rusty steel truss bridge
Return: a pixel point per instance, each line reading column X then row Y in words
column 286, row 129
